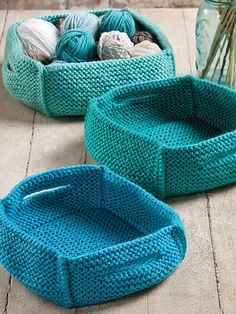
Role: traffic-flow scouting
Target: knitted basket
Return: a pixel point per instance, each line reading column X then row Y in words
column 65, row 89
column 172, row 137
column 83, row 235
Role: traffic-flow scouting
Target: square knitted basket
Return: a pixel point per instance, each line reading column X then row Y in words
column 83, row 235
column 65, row 89
column 172, row 137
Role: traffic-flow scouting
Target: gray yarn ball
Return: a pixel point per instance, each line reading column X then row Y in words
column 81, row 20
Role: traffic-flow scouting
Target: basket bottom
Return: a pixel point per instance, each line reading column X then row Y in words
column 74, row 230
column 168, row 129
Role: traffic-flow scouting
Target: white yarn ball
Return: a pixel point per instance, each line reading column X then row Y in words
column 39, row 35
column 145, row 48
column 114, row 45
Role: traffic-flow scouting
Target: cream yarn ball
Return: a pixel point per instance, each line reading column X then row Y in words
column 38, row 35
column 114, row 45
column 145, row 48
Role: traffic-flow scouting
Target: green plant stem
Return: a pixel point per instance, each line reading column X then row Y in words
column 227, row 20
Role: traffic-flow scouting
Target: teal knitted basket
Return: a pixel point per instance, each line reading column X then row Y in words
column 171, row 137
column 83, row 235
column 65, row 89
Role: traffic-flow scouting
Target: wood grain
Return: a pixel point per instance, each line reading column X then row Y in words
column 222, row 216
column 15, row 130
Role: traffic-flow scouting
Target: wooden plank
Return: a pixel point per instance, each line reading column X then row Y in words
column 33, row 5
column 15, row 130
column 8, row 178
column 222, row 216
column 190, row 16
column 57, row 143
column 88, row 4
column 171, row 22
column 15, row 124
column 192, row 288
column 21, row 300
column 3, row 15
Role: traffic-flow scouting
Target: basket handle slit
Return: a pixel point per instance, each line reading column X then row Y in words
column 39, row 183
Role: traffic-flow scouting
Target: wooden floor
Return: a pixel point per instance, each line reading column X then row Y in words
column 30, row 142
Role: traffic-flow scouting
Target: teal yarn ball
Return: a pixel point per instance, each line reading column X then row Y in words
column 76, row 45
column 83, row 20
column 118, row 20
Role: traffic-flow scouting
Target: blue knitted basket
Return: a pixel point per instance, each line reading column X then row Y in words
column 83, row 235
column 171, row 137
column 65, row 89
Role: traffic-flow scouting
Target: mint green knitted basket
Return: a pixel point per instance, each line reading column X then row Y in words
column 172, row 137
column 65, row 89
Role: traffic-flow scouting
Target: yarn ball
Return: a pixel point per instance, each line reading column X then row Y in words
column 141, row 36
column 145, row 48
column 39, row 36
column 82, row 20
column 76, row 45
column 118, row 20
column 114, row 45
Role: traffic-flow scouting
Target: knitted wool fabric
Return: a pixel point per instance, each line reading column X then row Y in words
column 76, row 45
column 65, row 90
column 172, row 137
column 83, row 235
column 118, row 20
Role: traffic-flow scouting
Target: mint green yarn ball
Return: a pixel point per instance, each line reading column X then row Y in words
column 118, row 20
column 76, row 45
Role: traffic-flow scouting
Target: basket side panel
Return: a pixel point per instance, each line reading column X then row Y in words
column 189, row 171
column 22, row 75
column 35, row 267
column 127, row 268
column 126, row 154
column 68, row 89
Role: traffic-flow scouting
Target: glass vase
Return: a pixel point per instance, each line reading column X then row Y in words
column 216, row 41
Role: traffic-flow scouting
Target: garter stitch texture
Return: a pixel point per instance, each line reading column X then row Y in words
column 83, row 235
column 172, row 137
column 65, row 89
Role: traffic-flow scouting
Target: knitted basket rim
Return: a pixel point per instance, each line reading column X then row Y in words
column 106, row 99
column 154, row 235
column 107, row 124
